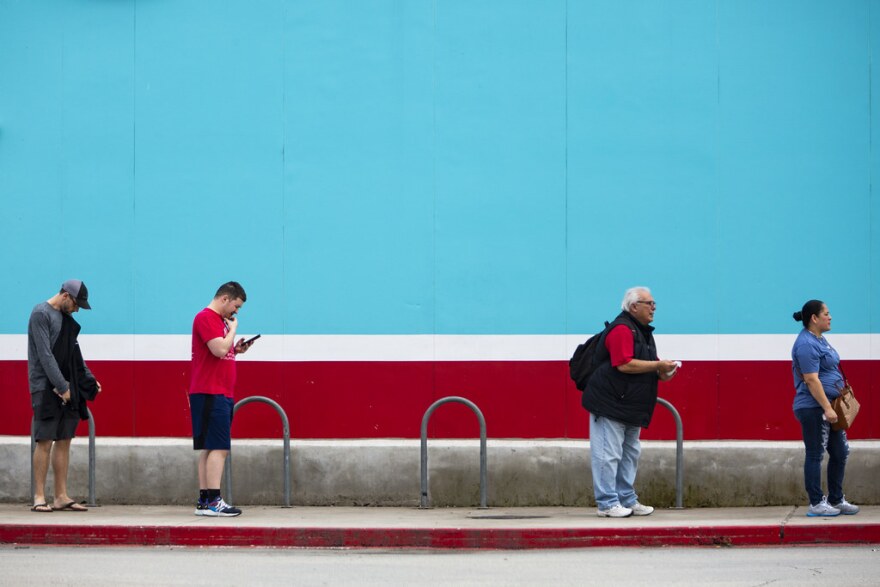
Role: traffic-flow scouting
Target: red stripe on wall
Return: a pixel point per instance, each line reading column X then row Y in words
column 717, row 400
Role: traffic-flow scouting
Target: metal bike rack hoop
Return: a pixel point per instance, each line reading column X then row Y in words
column 286, row 434
column 679, row 452
column 423, row 503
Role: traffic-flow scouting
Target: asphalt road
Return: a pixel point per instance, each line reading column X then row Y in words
column 122, row 566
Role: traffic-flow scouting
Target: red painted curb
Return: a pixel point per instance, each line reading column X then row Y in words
column 837, row 534
column 439, row 538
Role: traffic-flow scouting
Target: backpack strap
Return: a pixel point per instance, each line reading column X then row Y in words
column 622, row 321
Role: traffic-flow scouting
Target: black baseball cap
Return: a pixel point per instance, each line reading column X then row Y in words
column 78, row 291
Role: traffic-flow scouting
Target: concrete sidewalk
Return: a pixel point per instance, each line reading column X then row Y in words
column 446, row 528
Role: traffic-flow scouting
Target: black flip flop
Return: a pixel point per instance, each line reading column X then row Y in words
column 42, row 508
column 70, row 507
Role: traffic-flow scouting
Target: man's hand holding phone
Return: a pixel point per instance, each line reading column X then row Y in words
column 243, row 345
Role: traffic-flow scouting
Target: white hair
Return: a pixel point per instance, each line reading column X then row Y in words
column 632, row 296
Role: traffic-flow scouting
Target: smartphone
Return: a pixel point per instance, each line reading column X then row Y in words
column 250, row 340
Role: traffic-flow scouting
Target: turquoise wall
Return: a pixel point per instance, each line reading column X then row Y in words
column 441, row 167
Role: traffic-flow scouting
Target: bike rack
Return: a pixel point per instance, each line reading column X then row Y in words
column 424, row 464
column 679, row 452
column 92, row 499
column 286, row 434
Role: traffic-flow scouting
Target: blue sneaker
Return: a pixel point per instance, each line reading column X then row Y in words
column 221, row 509
column 201, row 507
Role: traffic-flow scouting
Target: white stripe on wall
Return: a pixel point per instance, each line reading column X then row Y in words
column 426, row 347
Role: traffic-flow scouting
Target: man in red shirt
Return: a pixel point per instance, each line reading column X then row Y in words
column 212, row 386
column 621, row 396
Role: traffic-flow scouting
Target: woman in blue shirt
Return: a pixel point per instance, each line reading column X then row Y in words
column 817, row 381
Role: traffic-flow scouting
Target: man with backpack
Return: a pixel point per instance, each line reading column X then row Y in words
column 620, row 394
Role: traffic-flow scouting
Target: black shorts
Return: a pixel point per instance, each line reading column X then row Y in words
column 52, row 421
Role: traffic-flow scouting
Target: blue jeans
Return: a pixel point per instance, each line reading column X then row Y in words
column 614, row 455
column 819, row 437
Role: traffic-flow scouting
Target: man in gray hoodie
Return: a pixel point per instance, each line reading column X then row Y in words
column 57, row 377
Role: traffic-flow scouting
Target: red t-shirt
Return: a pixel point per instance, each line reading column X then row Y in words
column 620, row 345
column 210, row 374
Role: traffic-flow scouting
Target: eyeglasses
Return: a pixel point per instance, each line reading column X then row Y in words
column 652, row 303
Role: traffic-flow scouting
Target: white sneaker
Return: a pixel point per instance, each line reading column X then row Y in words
column 823, row 509
column 641, row 510
column 617, row 511
column 846, row 508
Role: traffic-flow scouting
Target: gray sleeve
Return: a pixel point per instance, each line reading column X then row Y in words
column 43, row 359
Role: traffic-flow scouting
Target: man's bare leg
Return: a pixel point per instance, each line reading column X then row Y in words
column 42, row 450
column 215, row 460
column 60, row 465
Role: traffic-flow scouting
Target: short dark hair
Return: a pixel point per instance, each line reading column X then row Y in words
column 232, row 289
column 810, row 309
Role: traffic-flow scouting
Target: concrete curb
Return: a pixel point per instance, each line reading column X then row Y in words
column 407, row 528
column 435, row 538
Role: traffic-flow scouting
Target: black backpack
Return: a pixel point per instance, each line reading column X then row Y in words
column 586, row 359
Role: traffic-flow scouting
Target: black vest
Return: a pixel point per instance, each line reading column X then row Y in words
column 627, row 398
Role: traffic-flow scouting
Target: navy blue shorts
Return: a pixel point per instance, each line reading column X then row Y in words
column 211, row 421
